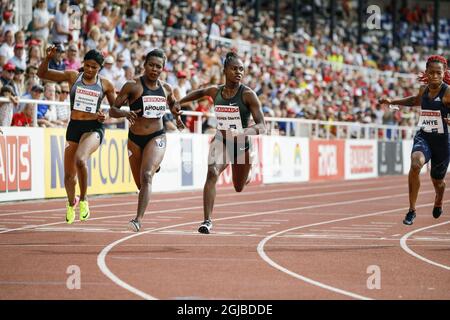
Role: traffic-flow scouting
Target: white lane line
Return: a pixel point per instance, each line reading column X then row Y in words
column 16, row 222
column 259, row 222
column 418, row 256
column 386, row 223
column 219, row 195
column 49, row 283
column 223, row 205
column 228, row 234
column 235, row 228
column 101, row 258
column 344, row 231
column 371, row 226
column 181, row 259
column 263, row 255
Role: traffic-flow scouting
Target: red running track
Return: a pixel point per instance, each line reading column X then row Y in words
column 324, row 240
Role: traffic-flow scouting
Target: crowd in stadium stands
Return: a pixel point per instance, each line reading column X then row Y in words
column 310, row 87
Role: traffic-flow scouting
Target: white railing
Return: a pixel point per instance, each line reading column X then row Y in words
column 294, row 126
column 103, row 106
column 338, row 130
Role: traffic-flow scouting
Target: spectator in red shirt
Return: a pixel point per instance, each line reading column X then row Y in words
column 24, row 118
column 93, row 18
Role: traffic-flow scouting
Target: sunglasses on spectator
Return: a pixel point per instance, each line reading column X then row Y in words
column 66, row 92
column 58, row 92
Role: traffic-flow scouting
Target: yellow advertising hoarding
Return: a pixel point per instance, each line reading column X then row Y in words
column 108, row 167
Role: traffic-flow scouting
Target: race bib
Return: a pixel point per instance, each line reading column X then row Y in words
column 228, row 117
column 154, row 106
column 86, row 100
column 431, row 121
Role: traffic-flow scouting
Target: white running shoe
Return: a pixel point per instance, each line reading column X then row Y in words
column 134, row 225
column 205, row 227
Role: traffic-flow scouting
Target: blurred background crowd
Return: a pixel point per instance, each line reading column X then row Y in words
column 302, row 70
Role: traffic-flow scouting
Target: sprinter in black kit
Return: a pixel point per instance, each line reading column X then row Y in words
column 234, row 104
column 431, row 142
column 147, row 97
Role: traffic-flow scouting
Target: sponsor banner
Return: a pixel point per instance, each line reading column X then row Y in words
column 390, row 158
column 326, row 159
column 406, row 148
column 108, row 167
column 286, row 159
column 21, row 163
column 226, row 178
column 361, row 159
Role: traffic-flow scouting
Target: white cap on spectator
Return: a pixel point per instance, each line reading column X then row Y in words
column 109, row 59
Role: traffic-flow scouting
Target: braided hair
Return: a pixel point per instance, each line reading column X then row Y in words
column 230, row 57
column 436, row 59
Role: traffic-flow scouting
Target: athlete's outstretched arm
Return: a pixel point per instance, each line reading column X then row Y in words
column 121, row 99
column 174, row 107
column 253, row 103
column 110, row 93
column 54, row 75
column 411, row 101
column 199, row 93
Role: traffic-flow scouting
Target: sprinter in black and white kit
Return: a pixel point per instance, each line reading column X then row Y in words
column 234, row 103
column 147, row 97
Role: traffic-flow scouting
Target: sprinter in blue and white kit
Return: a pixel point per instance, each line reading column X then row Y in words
column 85, row 130
column 431, row 142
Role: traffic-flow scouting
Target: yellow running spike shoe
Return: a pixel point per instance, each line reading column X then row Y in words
column 84, row 210
column 70, row 214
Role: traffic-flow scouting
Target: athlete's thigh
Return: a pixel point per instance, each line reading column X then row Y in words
column 241, row 169
column 218, row 158
column 421, row 149
column 218, row 155
column 153, row 154
column 439, row 159
column 89, row 142
column 135, row 158
column 69, row 157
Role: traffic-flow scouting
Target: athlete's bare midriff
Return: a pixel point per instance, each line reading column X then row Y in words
column 144, row 126
column 80, row 115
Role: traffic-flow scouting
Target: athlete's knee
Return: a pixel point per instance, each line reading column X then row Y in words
column 147, row 177
column 80, row 162
column 69, row 178
column 439, row 183
column 416, row 165
column 213, row 173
